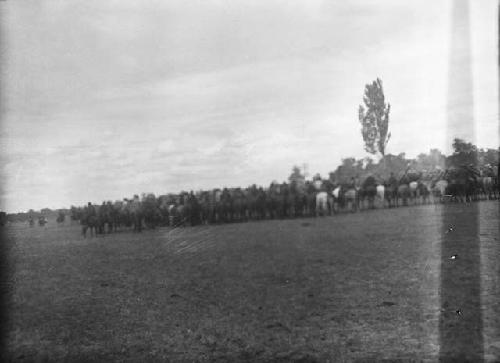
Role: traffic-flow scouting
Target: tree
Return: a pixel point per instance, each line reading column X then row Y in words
column 396, row 164
column 345, row 171
column 488, row 156
column 296, row 177
column 438, row 159
column 464, row 153
column 430, row 162
column 374, row 118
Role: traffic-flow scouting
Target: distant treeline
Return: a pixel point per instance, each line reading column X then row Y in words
column 464, row 153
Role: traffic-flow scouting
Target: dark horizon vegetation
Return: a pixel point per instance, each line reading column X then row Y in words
column 464, row 153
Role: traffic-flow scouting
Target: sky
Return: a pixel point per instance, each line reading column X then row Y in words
column 101, row 100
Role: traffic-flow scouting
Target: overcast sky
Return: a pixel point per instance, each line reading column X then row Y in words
column 104, row 99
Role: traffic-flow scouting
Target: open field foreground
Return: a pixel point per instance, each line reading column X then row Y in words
column 352, row 287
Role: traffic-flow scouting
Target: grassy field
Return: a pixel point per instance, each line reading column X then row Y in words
column 352, row 287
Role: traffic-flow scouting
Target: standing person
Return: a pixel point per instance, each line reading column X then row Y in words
column 89, row 220
column 90, row 211
column 31, row 220
column 495, row 176
column 102, row 217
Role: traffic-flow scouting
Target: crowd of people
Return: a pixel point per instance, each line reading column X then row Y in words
column 297, row 198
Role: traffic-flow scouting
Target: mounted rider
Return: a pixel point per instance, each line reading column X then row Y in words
column 392, row 182
column 351, row 184
column 405, row 179
column 135, row 204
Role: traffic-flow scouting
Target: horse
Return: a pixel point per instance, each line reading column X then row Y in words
column 250, row 196
column 273, row 201
column 473, row 182
column 403, row 189
column 216, row 206
column 351, row 197
column 91, row 223
column 185, row 209
column 413, row 191
column 205, row 212
column 403, row 194
column 113, row 215
column 439, row 189
column 193, row 210
column 261, row 204
column 104, row 218
column 173, row 215
column 310, row 198
column 150, row 211
column 462, row 184
column 338, row 198
column 369, row 191
column 136, row 214
column 239, row 205
column 163, row 204
column 125, row 214
column 381, row 194
column 286, row 201
column 496, row 180
column 391, row 192
column 296, row 199
column 488, row 187
column 178, row 212
column 423, row 190
column 227, row 206
column 321, row 203
column 116, row 215
column 89, row 220
column 328, row 186
column 300, row 203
